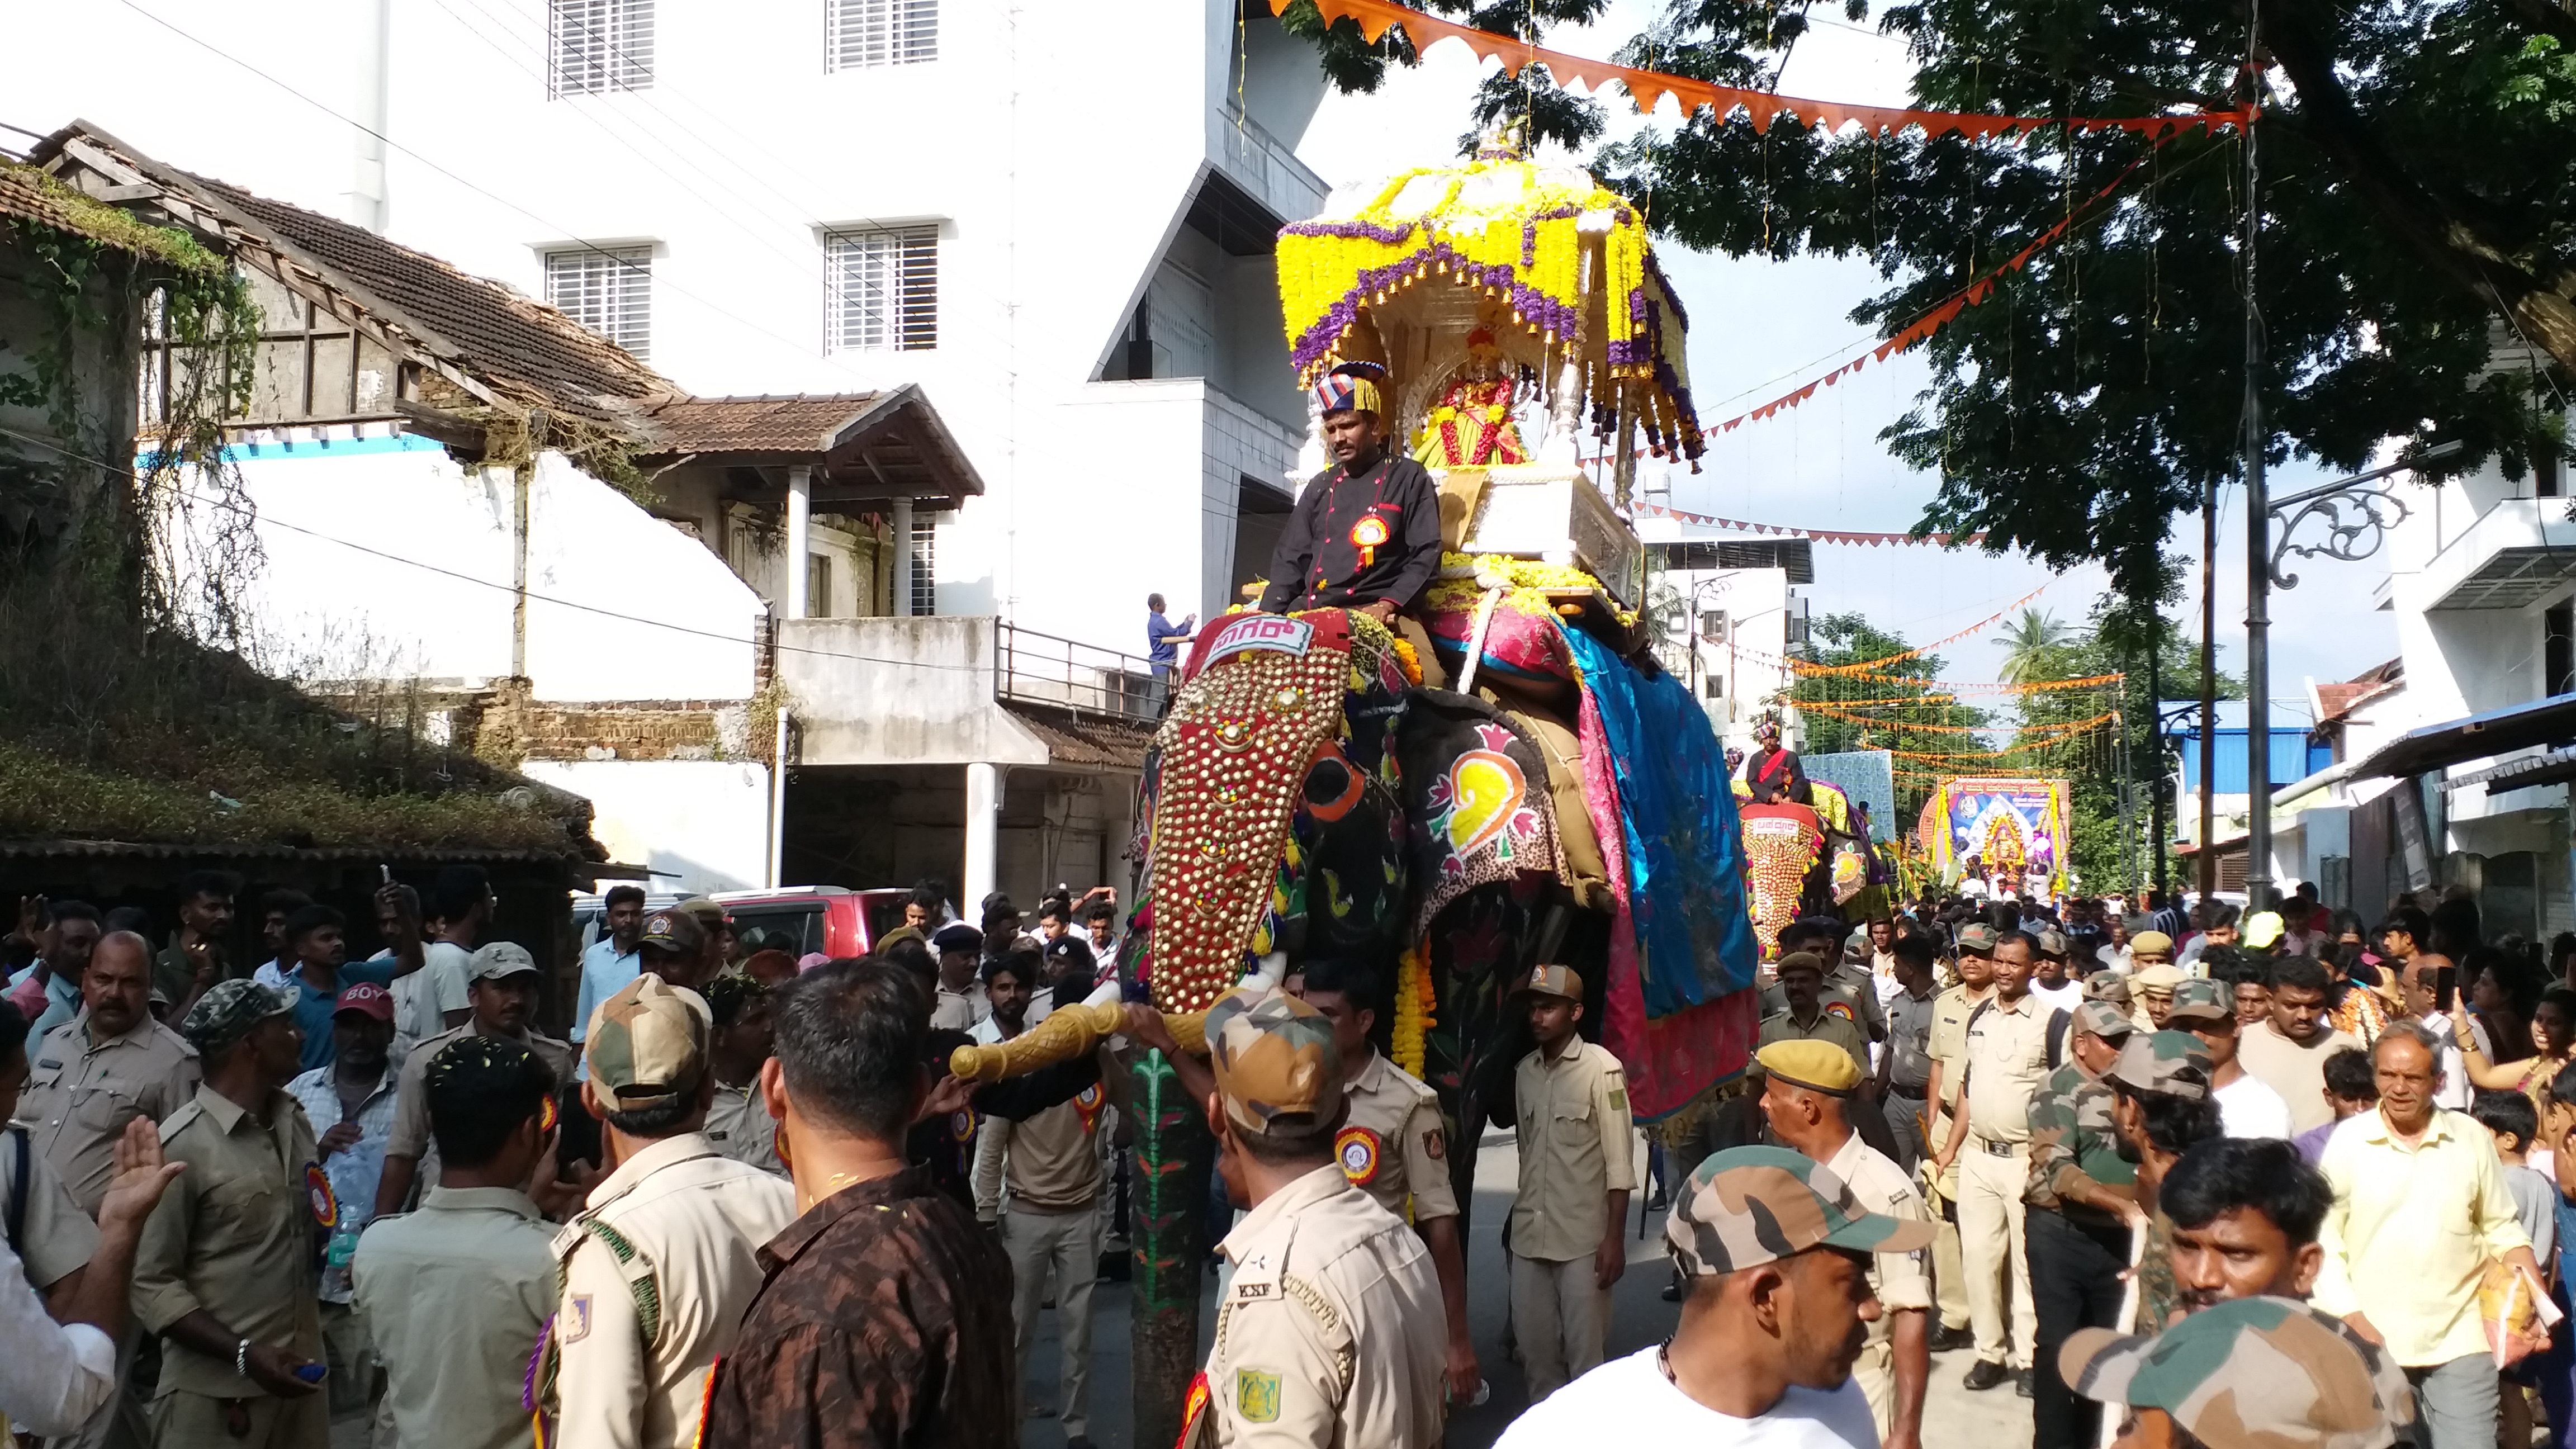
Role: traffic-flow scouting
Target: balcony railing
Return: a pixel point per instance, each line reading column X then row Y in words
column 1042, row 669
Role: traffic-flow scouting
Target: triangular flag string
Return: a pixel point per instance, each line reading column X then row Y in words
column 1648, row 88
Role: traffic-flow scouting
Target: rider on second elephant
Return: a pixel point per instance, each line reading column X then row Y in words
column 1365, row 534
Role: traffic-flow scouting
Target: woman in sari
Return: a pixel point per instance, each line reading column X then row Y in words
column 2553, row 1033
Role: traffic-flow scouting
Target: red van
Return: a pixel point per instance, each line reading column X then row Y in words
column 799, row 920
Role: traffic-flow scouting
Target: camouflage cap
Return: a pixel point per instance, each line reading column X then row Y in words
column 2103, row 1020
column 1748, row 1206
column 673, row 930
column 2052, row 943
column 1274, row 1057
column 499, row 961
column 647, row 1045
column 1562, row 981
column 2251, row 1373
column 229, row 1009
column 2171, row 1062
column 2150, row 943
column 2108, row 986
column 1978, row 940
column 2200, row 999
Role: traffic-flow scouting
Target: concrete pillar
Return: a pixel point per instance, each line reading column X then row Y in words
column 903, row 559
column 983, row 833
column 800, row 515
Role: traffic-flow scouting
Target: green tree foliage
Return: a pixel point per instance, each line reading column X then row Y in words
column 2419, row 206
column 1911, row 717
column 2030, row 644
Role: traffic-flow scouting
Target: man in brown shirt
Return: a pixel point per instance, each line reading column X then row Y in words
column 225, row 1273
column 885, row 1316
column 104, row 1068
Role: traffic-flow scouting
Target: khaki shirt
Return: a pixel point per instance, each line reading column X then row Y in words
column 1402, row 1146
column 58, row 1238
column 480, row 1258
column 1948, row 1041
column 410, row 1136
column 81, row 1093
column 960, row 1010
column 1848, row 982
column 2007, row 1063
column 739, row 1124
column 1332, row 1333
column 686, row 1222
column 1903, row 1280
column 1050, row 1162
column 1575, row 1148
column 1828, row 1026
column 235, row 1235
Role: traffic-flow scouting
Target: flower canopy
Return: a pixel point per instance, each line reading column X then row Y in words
column 1566, row 256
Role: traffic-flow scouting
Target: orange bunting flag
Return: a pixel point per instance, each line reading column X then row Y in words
column 1648, row 88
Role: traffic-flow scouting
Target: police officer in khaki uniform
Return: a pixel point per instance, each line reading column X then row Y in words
column 102, row 1069
column 501, row 984
column 1807, row 1088
column 2006, row 1065
column 54, row 1238
column 658, row 1269
column 1948, row 1048
column 226, row 1271
column 1331, row 1331
column 1578, row 1163
column 1396, row 1146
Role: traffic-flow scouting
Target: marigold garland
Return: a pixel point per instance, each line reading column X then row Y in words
column 1413, row 1003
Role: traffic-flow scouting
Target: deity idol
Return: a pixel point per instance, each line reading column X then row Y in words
column 1471, row 425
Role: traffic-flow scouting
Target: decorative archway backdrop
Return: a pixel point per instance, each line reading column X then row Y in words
column 2010, row 824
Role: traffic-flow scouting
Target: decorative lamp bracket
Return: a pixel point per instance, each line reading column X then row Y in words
column 2355, row 512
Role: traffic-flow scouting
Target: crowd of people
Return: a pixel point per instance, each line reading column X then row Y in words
column 2270, row 1177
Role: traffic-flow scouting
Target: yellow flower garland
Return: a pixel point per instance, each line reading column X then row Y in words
column 1413, row 1003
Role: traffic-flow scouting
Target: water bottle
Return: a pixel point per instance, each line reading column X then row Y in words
column 343, row 1245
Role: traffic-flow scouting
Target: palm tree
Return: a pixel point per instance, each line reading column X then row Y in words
column 2028, row 642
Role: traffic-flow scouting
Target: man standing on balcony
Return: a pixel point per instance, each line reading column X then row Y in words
column 1365, row 533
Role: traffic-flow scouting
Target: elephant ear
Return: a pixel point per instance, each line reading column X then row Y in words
column 1476, row 794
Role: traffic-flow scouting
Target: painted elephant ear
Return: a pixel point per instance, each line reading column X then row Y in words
column 1476, row 792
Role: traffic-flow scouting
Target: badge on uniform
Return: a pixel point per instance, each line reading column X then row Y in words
column 1256, row 1395
column 575, row 1319
column 1435, row 1143
column 1844, row 1010
column 1087, row 1102
column 1359, row 1151
column 1194, row 1407
column 317, row 1190
column 1366, row 535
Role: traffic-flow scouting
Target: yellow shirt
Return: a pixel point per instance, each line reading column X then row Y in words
column 1574, row 1151
column 2411, row 1231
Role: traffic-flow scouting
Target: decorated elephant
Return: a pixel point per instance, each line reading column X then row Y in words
column 1307, row 796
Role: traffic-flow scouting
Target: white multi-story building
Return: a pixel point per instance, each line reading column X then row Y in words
column 1742, row 617
column 2453, row 762
column 1053, row 224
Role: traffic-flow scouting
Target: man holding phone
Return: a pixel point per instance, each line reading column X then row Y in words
column 225, row 1271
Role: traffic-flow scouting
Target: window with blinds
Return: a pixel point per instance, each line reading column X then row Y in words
column 596, row 46
column 884, row 290
column 606, row 289
column 860, row 34
column 925, row 565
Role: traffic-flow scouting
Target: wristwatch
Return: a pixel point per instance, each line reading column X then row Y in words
column 241, row 1358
